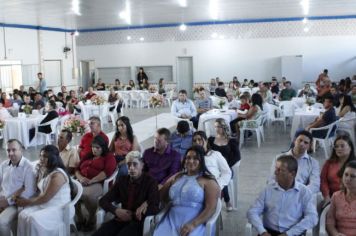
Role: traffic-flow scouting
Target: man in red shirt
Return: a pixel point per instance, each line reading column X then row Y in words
column 85, row 142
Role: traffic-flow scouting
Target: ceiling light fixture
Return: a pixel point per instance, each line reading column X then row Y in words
column 75, row 7
column 142, row 39
column 76, row 33
column 221, row 37
column 183, row 27
column 213, row 9
column 305, row 6
column 214, row 35
column 126, row 14
column 128, row 37
column 305, row 20
column 306, row 29
column 183, row 3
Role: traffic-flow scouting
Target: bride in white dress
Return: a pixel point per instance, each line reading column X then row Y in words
column 43, row 215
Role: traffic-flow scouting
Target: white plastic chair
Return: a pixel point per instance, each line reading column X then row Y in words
column 233, row 185
column 288, row 108
column 135, row 98
column 348, row 125
column 326, row 142
column 68, row 219
column 125, row 99
column 113, row 114
column 145, row 99
column 1, row 134
column 256, row 128
column 84, row 113
column 53, row 123
column 110, row 180
column 277, row 115
column 209, row 127
column 322, row 221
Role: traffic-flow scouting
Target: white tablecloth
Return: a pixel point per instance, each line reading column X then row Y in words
column 227, row 115
column 18, row 128
column 302, row 118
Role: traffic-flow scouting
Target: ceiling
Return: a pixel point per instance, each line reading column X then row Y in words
column 105, row 13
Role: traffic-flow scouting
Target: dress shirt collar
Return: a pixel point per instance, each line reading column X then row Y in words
column 305, row 155
column 21, row 163
column 167, row 151
column 296, row 186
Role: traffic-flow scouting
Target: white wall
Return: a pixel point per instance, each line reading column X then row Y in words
column 23, row 45
column 257, row 59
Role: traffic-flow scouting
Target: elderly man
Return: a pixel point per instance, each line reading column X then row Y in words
column 183, row 107
column 69, row 155
column 203, row 104
column 309, row 169
column 286, row 205
column 85, row 142
column 161, row 161
column 17, row 178
column 138, row 194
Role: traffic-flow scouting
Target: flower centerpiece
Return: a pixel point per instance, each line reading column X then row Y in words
column 2, row 124
column 310, row 102
column 75, row 125
column 156, row 100
column 97, row 100
column 27, row 109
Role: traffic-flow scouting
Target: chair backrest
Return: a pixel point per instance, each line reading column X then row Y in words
column 109, row 180
column 322, row 222
column 213, row 219
column 287, row 107
column 67, row 217
column 209, row 127
column 54, row 124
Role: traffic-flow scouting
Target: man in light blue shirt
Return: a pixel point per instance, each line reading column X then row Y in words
column 202, row 104
column 309, row 169
column 183, row 107
column 286, row 206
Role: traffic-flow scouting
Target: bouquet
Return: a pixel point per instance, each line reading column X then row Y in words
column 152, row 89
column 2, row 124
column 27, row 109
column 310, row 101
column 75, row 125
column 156, row 100
column 97, row 100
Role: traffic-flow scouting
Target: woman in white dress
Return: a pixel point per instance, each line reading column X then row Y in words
column 43, row 214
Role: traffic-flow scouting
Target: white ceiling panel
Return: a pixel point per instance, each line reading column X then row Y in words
column 105, row 13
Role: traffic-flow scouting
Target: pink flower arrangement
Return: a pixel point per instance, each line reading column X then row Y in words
column 97, row 100
column 156, row 100
column 75, row 125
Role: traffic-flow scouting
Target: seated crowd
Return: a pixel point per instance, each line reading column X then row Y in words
column 185, row 172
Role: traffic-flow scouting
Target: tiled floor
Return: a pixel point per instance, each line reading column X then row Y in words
column 254, row 170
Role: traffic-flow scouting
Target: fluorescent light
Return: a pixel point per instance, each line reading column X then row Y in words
column 305, row 20
column 213, row 9
column 182, row 27
column 305, row 5
column 142, row 39
column 214, row 35
column 221, row 37
column 128, row 37
column 126, row 14
column 183, row 3
column 75, row 7
column 76, row 33
column 306, row 29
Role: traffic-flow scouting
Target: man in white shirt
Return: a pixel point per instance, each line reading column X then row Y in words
column 214, row 161
column 309, row 169
column 183, row 107
column 17, row 178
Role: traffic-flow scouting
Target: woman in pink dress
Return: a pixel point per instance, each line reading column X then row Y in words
column 341, row 218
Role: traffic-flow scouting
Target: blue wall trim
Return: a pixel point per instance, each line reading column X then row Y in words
column 35, row 27
column 242, row 21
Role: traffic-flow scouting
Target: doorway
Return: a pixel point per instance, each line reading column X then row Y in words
column 87, row 69
column 185, row 74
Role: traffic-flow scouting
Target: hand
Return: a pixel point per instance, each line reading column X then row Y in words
column 141, row 210
column 186, row 229
column 123, row 215
column 22, row 202
column 84, row 181
column 3, row 202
